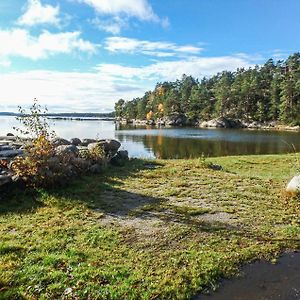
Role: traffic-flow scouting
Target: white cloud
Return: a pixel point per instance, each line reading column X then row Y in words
column 5, row 63
column 64, row 91
column 159, row 49
column 121, row 11
column 98, row 90
column 113, row 25
column 36, row 13
column 172, row 70
column 19, row 42
column 140, row 9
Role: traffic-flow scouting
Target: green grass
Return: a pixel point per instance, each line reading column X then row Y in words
column 148, row 230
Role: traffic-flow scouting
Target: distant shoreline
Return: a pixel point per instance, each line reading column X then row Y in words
column 81, row 119
column 77, row 116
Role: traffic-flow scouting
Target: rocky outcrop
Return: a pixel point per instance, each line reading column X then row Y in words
column 221, row 123
column 175, row 119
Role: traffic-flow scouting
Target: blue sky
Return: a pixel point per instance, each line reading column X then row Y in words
column 83, row 55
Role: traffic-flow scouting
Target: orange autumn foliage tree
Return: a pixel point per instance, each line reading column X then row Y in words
column 150, row 115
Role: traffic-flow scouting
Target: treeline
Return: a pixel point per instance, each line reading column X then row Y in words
column 270, row 92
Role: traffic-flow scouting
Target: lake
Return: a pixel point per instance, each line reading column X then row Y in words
column 149, row 142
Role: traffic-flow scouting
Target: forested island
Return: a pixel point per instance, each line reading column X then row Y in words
column 266, row 93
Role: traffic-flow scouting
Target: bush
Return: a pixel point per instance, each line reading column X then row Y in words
column 44, row 164
column 40, row 165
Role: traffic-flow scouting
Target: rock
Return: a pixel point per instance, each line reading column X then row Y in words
column 53, row 161
column 120, row 158
column 6, row 142
column 254, row 125
column 6, row 148
column 7, row 138
column 111, row 145
column 81, row 163
column 107, row 145
column 10, row 153
column 176, row 119
column 67, row 149
column 123, row 154
column 75, row 141
column 95, row 169
column 10, row 134
column 85, row 142
column 222, row 123
column 116, row 161
column 150, row 122
column 215, row 167
column 4, row 179
column 17, row 145
column 294, row 185
column 59, row 142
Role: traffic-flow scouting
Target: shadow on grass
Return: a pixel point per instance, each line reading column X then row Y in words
column 106, row 193
column 88, row 190
column 16, row 199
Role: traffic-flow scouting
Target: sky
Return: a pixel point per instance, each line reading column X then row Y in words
column 84, row 55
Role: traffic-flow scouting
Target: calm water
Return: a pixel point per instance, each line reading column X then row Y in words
column 174, row 142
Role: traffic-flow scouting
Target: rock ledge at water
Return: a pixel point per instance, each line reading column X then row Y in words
column 177, row 119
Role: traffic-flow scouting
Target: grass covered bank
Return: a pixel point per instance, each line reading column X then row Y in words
column 148, row 230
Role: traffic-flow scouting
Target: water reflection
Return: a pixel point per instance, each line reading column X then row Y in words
column 190, row 142
column 148, row 142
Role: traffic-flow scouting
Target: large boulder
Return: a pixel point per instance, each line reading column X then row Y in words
column 85, row 142
column 59, row 142
column 294, row 185
column 75, row 141
column 106, row 145
column 10, row 153
column 120, row 158
column 67, row 149
column 111, row 145
column 123, row 154
column 6, row 148
column 222, row 123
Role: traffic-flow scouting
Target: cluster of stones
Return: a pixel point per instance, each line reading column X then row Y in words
column 12, row 147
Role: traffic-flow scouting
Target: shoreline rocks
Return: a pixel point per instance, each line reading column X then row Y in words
column 178, row 120
column 11, row 147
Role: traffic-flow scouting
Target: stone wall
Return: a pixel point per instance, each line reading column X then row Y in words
column 12, row 147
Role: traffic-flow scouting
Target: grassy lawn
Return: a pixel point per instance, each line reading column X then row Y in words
column 148, row 230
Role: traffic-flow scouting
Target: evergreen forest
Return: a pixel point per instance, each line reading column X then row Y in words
column 268, row 92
